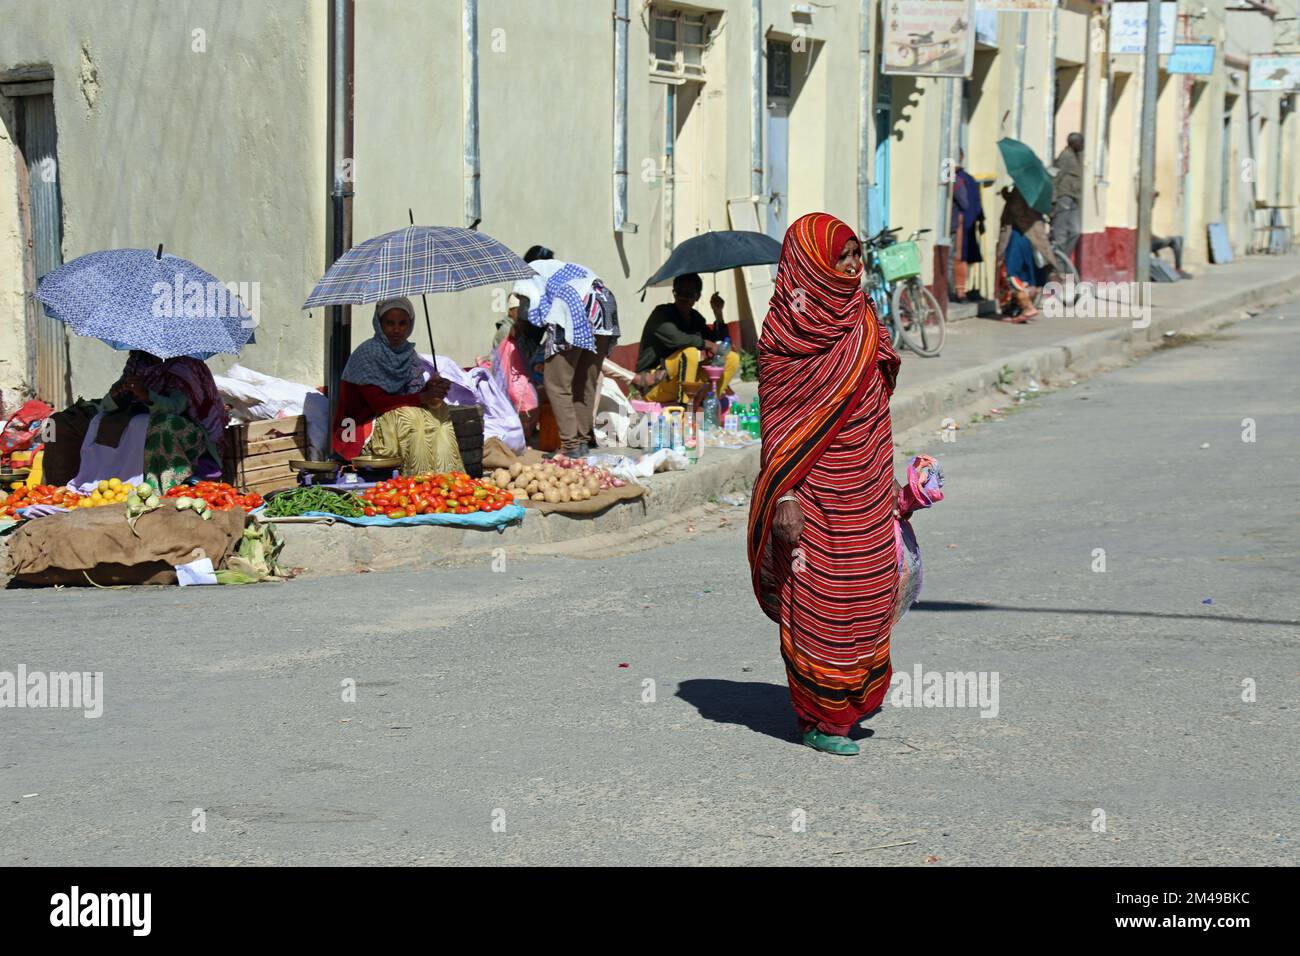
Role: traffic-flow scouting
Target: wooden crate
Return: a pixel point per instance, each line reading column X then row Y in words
column 467, row 420
column 258, row 453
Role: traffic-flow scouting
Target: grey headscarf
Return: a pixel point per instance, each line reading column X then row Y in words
column 376, row 362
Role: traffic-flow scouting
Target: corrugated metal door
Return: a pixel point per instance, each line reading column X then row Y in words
column 38, row 140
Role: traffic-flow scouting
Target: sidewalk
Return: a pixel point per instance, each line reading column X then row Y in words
column 977, row 353
column 976, row 349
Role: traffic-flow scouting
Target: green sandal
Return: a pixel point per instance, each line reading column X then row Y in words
column 830, row 744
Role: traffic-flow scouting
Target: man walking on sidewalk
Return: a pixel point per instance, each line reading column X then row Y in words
column 1067, row 194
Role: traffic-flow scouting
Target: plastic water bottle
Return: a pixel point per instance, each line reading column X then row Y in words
column 679, row 440
column 693, row 438
column 721, row 359
column 656, row 432
column 710, row 412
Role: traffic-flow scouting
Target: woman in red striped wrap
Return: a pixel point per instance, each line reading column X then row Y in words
column 821, row 539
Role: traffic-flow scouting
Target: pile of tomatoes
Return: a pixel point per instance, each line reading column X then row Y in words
column 219, row 495
column 452, row 492
column 23, row 497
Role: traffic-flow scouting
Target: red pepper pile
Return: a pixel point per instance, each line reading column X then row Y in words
column 452, row 492
column 219, row 495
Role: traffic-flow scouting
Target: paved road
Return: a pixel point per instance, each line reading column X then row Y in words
column 485, row 696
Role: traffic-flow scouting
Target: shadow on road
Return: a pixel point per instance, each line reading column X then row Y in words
column 763, row 708
column 968, row 606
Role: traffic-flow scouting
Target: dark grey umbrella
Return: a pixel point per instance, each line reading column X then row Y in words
column 717, row 252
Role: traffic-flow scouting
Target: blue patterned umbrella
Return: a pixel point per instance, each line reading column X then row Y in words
column 139, row 299
column 415, row 260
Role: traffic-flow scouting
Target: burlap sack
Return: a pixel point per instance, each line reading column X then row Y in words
column 592, row 505
column 497, row 455
column 97, row 546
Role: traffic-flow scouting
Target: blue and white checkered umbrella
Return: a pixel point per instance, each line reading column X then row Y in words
column 155, row 302
column 415, row 260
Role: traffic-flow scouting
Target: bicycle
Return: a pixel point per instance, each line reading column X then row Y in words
column 905, row 307
column 1066, row 274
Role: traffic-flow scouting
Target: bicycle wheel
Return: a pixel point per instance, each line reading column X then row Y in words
column 885, row 315
column 919, row 318
column 1068, row 277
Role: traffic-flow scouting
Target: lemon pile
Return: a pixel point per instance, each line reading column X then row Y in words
column 114, row 491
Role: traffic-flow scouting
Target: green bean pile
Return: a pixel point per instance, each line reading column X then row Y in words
column 290, row 504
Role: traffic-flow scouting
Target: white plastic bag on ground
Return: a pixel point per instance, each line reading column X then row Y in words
column 635, row 469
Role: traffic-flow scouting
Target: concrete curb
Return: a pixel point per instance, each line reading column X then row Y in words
column 913, row 407
column 341, row 548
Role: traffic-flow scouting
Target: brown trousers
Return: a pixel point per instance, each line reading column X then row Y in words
column 570, row 378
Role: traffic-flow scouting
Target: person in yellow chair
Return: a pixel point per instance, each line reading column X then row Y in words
column 677, row 333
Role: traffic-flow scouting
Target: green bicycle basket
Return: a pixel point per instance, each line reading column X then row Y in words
column 902, row 260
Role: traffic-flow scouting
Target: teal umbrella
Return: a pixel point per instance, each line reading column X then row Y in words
column 1028, row 173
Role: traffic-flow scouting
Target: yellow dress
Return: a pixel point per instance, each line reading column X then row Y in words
column 423, row 438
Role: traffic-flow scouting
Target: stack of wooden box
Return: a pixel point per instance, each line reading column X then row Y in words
column 258, row 453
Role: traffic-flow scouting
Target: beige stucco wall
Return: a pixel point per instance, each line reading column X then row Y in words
column 219, row 155
column 13, row 342
column 546, row 138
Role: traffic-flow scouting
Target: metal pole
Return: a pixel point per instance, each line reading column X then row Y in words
column 1050, row 124
column 756, row 99
column 947, row 166
column 1103, row 102
column 1022, row 41
column 620, row 114
column 866, row 112
column 338, row 337
column 1147, row 147
column 473, row 207
column 428, row 326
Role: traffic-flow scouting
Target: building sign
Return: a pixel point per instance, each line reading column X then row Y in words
column 929, row 37
column 1194, row 58
column 1128, row 28
column 1275, row 74
column 1015, row 4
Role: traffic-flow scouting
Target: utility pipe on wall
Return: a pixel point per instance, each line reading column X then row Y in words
column 1147, row 153
column 620, row 115
column 947, row 165
column 1021, row 42
column 756, row 100
column 338, row 336
column 1050, row 153
column 469, row 104
column 866, row 111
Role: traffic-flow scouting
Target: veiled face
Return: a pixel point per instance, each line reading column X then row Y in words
column 850, row 261
column 396, row 325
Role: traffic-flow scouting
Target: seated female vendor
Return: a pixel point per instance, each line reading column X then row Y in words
column 162, row 420
column 384, row 383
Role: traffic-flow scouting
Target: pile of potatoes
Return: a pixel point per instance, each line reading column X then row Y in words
column 546, row 482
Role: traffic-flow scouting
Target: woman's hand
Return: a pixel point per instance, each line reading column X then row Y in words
column 435, row 390
column 788, row 523
column 716, row 302
column 130, row 388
